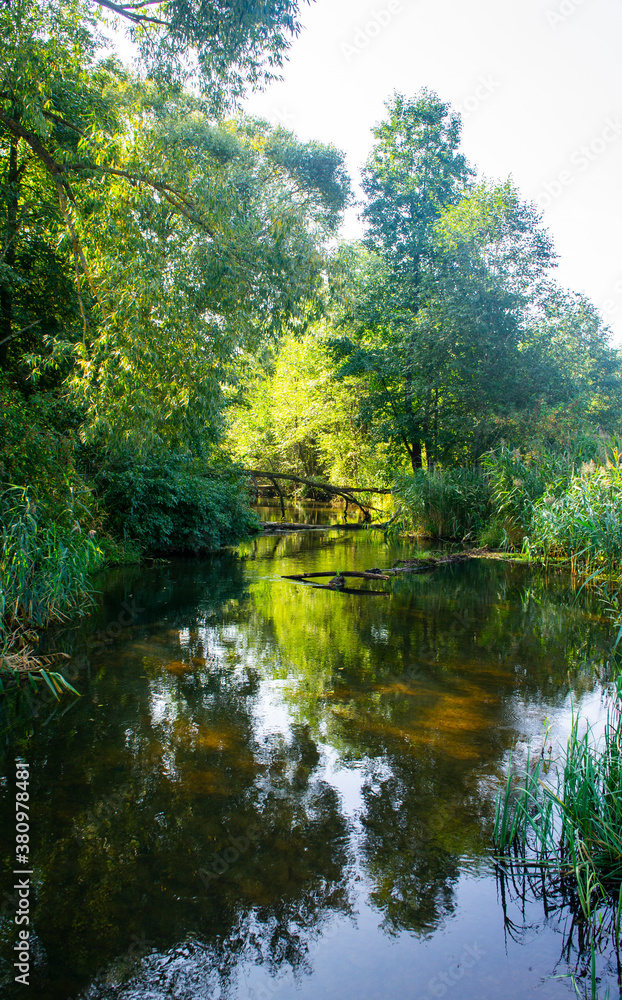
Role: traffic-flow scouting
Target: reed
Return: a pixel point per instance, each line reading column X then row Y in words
column 45, row 567
column 569, row 831
column 447, row 504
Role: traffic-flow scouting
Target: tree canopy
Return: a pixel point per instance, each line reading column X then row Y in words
column 170, row 239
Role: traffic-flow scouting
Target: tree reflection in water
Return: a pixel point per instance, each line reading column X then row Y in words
column 190, row 820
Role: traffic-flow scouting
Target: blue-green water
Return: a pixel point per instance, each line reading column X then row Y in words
column 269, row 790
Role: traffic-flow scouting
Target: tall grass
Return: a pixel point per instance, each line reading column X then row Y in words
column 45, row 564
column 584, row 522
column 518, row 483
column 446, row 504
column 568, row 832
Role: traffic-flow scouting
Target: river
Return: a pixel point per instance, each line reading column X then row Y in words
column 273, row 791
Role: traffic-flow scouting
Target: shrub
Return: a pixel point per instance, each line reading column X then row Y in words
column 36, row 441
column 167, row 505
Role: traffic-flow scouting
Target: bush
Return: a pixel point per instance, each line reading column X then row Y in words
column 454, row 503
column 167, row 505
column 36, row 441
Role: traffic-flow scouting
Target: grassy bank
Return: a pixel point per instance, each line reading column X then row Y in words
column 548, row 504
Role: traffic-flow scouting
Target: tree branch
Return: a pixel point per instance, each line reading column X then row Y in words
column 33, row 141
column 127, row 11
column 62, row 121
column 18, row 333
column 345, row 493
column 174, row 197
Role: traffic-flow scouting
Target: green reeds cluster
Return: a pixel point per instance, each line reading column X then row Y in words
column 517, row 483
column 569, row 830
column 584, row 522
column 45, row 565
column 449, row 504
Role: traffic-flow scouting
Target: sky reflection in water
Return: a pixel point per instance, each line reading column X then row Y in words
column 269, row 790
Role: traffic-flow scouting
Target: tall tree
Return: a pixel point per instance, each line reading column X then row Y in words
column 185, row 238
column 434, row 323
column 414, row 171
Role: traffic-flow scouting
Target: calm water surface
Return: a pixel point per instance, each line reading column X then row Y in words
column 269, row 790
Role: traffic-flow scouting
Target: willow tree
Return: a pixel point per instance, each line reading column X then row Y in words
column 183, row 237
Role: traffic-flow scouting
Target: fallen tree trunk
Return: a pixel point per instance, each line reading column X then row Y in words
column 427, row 563
column 345, row 492
column 310, row 576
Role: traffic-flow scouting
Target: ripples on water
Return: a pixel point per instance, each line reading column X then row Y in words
column 272, row 791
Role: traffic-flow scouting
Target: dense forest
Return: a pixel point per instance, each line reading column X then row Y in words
column 176, row 305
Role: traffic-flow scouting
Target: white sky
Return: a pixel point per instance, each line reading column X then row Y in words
column 538, row 82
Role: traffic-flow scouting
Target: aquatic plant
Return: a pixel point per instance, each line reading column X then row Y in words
column 45, row 567
column 452, row 503
column 566, row 834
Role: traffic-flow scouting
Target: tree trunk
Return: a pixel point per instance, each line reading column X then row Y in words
column 10, row 235
column 416, row 455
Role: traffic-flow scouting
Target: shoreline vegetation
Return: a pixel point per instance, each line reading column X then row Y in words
column 547, row 508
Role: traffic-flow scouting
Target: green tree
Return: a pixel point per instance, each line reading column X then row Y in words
column 185, row 238
column 437, row 305
column 299, row 417
column 414, row 171
column 226, row 44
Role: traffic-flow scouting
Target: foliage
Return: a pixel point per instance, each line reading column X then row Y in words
column 298, row 416
column 558, row 506
column 571, row 831
column 225, row 46
column 448, row 318
column 585, row 521
column 37, row 439
column 168, row 505
column 45, row 561
column 449, row 504
column 516, row 482
column 184, row 239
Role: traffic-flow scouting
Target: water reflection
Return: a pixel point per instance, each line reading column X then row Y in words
column 263, row 781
